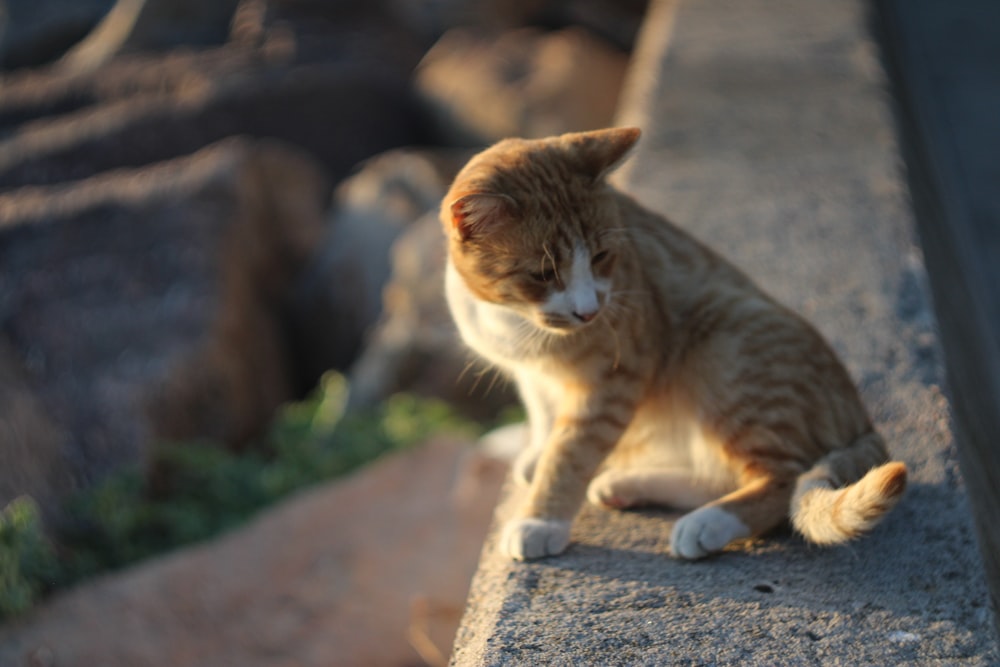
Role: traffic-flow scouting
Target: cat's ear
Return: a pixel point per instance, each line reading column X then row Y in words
column 600, row 151
column 474, row 213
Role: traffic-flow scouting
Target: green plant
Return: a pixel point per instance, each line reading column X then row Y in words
column 200, row 488
column 27, row 561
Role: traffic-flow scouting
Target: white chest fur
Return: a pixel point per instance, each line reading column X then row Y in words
column 499, row 334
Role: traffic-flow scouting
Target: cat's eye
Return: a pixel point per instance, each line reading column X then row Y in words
column 545, row 276
column 600, row 258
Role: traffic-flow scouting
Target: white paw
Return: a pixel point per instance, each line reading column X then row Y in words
column 609, row 490
column 524, row 539
column 705, row 531
column 523, row 468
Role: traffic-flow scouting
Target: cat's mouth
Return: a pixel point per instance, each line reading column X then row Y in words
column 561, row 324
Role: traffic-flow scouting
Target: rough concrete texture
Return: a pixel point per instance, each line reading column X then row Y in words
column 768, row 135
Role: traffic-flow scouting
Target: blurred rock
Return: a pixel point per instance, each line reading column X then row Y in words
column 357, row 572
column 416, row 347
column 340, row 114
column 39, row 31
column 33, row 456
column 298, row 32
column 38, row 95
column 616, row 21
column 375, row 287
column 433, row 18
column 524, row 83
column 339, row 297
column 340, row 30
column 144, row 304
column 152, row 25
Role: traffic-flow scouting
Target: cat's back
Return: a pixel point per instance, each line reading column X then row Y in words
column 682, row 275
column 717, row 320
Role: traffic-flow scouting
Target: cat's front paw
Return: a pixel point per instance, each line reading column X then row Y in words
column 525, row 539
column 705, row 531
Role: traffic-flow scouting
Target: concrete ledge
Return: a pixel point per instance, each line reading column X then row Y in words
column 769, row 136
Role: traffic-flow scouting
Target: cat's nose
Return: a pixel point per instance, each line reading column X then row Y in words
column 585, row 316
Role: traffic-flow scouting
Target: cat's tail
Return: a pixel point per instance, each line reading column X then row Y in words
column 847, row 492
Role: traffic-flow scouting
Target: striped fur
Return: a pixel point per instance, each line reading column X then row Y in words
column 652, row 370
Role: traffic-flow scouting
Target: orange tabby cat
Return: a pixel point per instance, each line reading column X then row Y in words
column 646, row 359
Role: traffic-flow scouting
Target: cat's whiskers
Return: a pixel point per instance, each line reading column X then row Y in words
column 468, row 366
column 548, row 255
column 479, row 378
column 532, row 338
column 498, row 376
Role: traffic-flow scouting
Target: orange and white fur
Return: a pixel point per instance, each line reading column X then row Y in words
column 652, row 370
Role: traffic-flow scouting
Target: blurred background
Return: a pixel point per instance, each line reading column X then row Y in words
column 220, row 288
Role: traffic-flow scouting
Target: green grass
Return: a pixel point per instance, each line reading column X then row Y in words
column 200, row 489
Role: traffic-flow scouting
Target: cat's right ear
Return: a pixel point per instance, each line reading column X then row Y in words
column 475, row 213
column 599, row 152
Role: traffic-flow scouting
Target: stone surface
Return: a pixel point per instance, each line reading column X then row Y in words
column 340, row 113
column 144, row 304
column 615, row 21
column 263, row 39
column 375, row 288
column 34, row 32
column 769, row 136
column 33, row 457
column 383, row 262
column 338, row 299
column 152, row 25
column 335, row 83
column 369, row 570
column 416, row 347
column 346, row 30
column 371, row 300
column 32, row 95
column 520, row 83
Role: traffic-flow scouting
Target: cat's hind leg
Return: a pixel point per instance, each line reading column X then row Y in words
column 523, row 468
column 506, row 442
column 540, row 409
column 621, row 488
column 755, row 508
column 513, row 443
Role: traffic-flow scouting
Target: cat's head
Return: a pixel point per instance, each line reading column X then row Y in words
column 533, row 226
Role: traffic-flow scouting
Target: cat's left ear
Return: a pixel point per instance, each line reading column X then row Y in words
column 600, row 151
column 475, row 213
